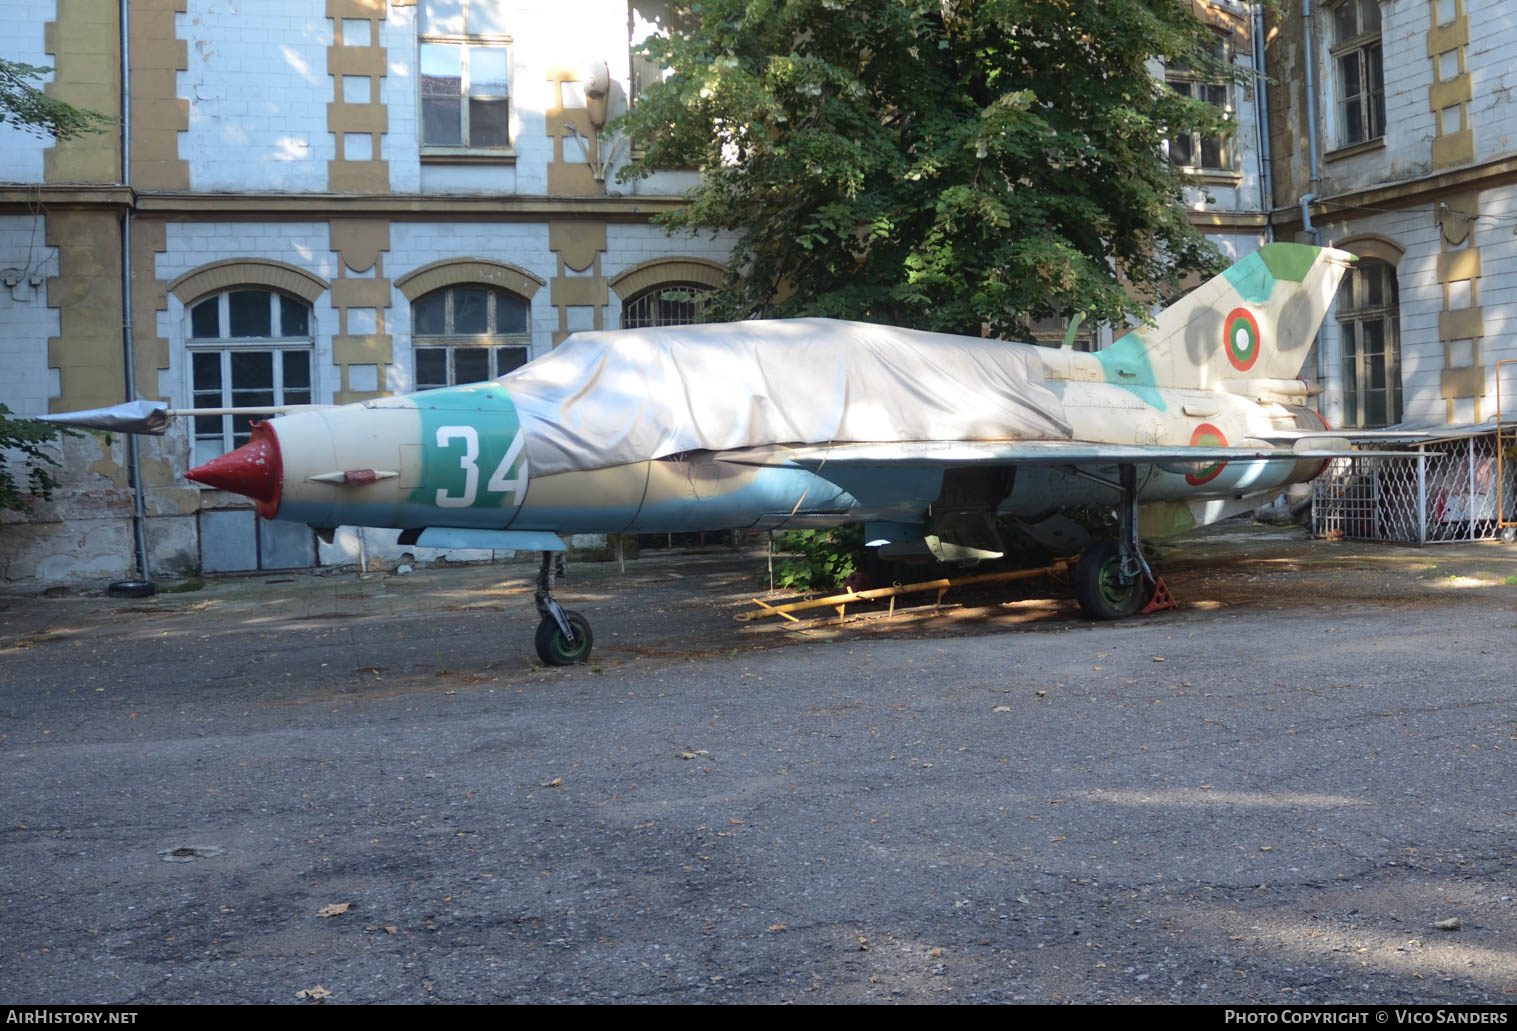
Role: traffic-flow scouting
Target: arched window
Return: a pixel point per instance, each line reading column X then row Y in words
column 249, row 348
column 1369, row 325
column 670, row 304
column 468, row 333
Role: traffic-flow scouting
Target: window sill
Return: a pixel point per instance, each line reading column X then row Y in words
column 468, row 157
column 1355, row 149
column 1213, row 176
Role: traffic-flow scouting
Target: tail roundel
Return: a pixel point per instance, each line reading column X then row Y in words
column 1254, row 321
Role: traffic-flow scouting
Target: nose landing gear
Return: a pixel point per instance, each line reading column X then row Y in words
column 563, row 637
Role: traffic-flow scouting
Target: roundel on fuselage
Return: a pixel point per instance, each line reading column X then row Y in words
column 1206, row 435
column 1240, row 335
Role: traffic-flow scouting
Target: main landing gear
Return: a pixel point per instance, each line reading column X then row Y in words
column 1112, row 579
column 563, row 637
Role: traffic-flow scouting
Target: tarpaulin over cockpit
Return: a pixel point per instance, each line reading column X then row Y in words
column 614, row 397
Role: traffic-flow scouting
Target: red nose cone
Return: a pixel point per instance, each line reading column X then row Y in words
column 253, row 470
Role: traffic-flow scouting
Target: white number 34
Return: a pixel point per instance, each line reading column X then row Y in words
column 500, row 481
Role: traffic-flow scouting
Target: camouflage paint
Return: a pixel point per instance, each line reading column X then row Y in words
column 1126, row 364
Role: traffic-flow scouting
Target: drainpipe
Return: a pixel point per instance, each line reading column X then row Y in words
column 1310, row 61
column 1261, row 120
column 144, row 583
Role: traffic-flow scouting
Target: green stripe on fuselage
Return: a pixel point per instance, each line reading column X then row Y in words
column 478, row 417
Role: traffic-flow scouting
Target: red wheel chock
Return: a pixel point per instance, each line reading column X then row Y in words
column 1159, row 599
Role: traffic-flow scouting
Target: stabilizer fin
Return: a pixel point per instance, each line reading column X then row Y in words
column 1256, row 320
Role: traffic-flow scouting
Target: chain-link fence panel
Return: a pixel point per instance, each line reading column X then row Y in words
column 1435, row 493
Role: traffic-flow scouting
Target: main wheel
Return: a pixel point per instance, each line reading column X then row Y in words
column 555, row 650
column 1099, row 586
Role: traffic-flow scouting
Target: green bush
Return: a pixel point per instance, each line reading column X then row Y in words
column 819, row 559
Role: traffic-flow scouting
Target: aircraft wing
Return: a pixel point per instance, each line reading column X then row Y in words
column 876, row 472
column 947, row 453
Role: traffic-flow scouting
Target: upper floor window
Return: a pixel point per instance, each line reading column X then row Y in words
column 1203, row 151
column 667, row 305
column 649, row 18
column 466, row 334
column 465, row 61
column 1358, row 70
column 1369, row 324
column 249, row 348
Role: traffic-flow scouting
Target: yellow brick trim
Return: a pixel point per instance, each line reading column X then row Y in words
column 1461, row 324
column 1446, row 37
column 358, row 117
column 356, row 61
column 350, row 397
column 1449, row 92
column 159, row 114
column 1466, row 382
column 223, row 275
column 358, row 176
column 1454, row 149
column 578, row 291
column 1455, row 266
column 660, row 271
column 1374, row 246
column 149, row 297
column 577, row 243
column 85, row 43
column 360, row 293
column 371, row 349
column 462, row 271
column 87, row 293
column 356, row 9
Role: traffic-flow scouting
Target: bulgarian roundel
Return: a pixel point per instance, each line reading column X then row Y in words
column 1241, row 335
column 1206, row 435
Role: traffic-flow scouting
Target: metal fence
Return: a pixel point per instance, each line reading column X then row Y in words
column 1437, row 492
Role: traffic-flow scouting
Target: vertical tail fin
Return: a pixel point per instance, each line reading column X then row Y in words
column 1254, row 321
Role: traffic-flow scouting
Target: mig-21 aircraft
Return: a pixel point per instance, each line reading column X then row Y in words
column 926, row 438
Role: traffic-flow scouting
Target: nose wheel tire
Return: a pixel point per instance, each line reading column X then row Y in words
column 1099, row 586
column 557, row 650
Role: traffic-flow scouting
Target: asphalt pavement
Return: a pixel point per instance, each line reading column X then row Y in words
column 1289, row 790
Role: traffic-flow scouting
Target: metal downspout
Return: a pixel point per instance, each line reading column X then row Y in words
column 1261, row 122
column 1309, row 52
column 133, row 457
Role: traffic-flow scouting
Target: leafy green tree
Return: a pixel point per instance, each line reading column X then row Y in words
column 942, row 164
column 25, row 106
column 21, row 443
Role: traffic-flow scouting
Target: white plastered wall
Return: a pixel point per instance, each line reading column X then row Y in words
column 21, row 152
column 258, row 90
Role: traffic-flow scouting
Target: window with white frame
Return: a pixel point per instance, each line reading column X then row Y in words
column 248, row 348
column 1358, row 71
column 466, row 334
column 1210, row 152
column 1369, row 325
column 672, row 304
column 465, row 61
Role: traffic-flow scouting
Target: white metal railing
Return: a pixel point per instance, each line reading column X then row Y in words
column 1442, row 491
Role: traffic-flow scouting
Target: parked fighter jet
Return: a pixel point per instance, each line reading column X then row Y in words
column 924, row 437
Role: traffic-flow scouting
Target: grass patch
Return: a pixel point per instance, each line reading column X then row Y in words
column 184, row 588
